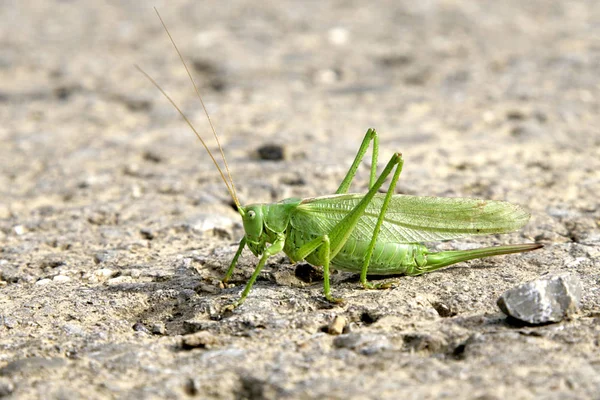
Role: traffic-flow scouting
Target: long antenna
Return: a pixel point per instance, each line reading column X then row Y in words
column 203, row 106
column 193, row 129
column 230, row 186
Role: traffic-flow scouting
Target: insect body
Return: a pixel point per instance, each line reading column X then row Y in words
column 378, row 233
column 374, row 232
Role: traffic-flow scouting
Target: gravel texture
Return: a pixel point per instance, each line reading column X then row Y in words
column 115, row 227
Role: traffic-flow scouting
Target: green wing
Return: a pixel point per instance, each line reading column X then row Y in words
column 411, row 219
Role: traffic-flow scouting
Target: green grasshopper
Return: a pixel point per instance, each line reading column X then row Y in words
column 377, row 233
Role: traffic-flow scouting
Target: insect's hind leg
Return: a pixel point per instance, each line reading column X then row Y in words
column 371, row 135
column 384, row 207
column 340, row 233
column 332, row 242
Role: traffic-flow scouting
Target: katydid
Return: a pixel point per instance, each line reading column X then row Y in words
column 377, row 233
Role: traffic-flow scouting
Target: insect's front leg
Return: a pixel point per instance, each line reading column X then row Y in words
column 234, row 261
column 371, row 135
column 275, row 248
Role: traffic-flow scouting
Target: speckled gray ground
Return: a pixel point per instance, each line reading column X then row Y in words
column 115, row 228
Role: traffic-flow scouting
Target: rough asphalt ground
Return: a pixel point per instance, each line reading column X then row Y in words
column 115, row 228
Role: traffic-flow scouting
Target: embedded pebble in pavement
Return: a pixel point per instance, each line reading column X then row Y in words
column 547, row 299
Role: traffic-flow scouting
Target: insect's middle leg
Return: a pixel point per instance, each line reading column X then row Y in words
column 371, row 135
column 322, row 246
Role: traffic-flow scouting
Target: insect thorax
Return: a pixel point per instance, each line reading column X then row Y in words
column 264, row 223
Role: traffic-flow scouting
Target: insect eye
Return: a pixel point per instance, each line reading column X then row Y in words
column 251, row 214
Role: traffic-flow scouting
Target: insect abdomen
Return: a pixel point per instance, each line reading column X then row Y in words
column 388, row 258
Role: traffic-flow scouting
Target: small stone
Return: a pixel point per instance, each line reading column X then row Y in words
column 192, row 387
column 336, row 327
column 136, row 191
column 292, row 180
column 271, row 152
column 52, row 262
column 547, row 299
column 202, row 340
column 105, row 273
column 44, row 281
column 152, row 156
column 443, row 309
column 19, row 229
column 104, row 256
column 516, row 114
column 338, row 36
column 61, row 279
column 132, row 169
column 193, row 326
column 327, row 76
column 206, row 288
column 6, row 386
column 139, row 327
column 10, row 322
column 119, row 280
column 136, row 274
column 364, row 343
column 424, row 342
column 10, row 273
column 158, row 329
column 73, row 329
column 147, row 233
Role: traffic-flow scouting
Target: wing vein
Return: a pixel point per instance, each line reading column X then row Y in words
column 412, row 219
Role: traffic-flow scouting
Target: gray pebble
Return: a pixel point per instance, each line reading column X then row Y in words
column 10, row 273
column 61, row 279
column 72, row 329
column 425, row 342
column 271, row 152
column 6, row 386
column 10, row 322
column 547, row 299
column 139, row 327
column 105, row 256
column 364, row 343
column 158, row 328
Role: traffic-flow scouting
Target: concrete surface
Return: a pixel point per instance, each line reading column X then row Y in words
column 115, row 227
